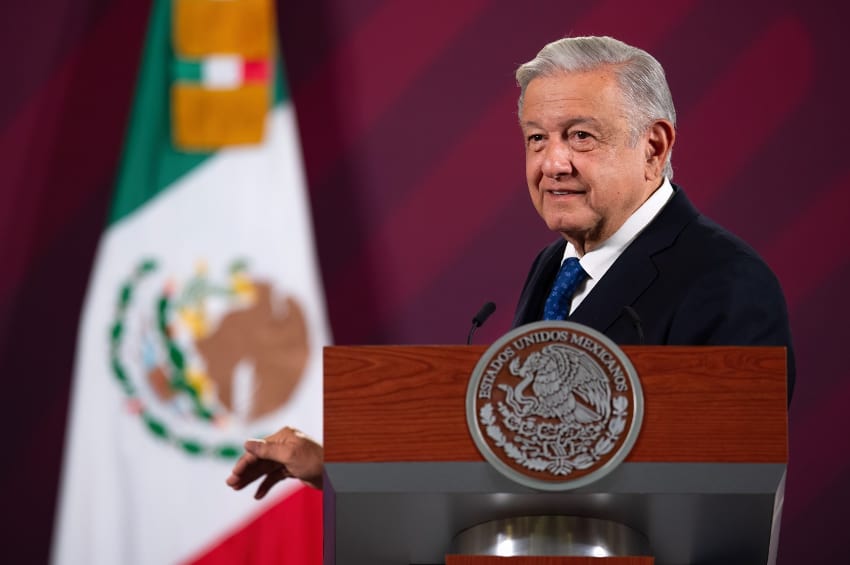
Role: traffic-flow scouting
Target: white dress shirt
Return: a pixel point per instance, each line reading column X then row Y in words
column 597, row 262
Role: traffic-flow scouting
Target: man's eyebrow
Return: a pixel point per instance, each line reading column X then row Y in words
column 577, row 120
column 582, row 120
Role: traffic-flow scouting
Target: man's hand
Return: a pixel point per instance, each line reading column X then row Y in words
column 284, row 454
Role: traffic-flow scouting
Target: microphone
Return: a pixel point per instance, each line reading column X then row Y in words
column 635, row 322
column 479, row 319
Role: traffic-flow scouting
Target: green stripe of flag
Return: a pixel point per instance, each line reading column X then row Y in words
column 186, row 70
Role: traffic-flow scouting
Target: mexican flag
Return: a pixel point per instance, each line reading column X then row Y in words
column 204, row 320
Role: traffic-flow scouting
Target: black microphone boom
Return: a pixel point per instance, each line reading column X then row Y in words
column 633, row 315
column 482, row 315
column 479, row 319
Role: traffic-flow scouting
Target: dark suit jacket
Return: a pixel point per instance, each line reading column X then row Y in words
column 690, row 282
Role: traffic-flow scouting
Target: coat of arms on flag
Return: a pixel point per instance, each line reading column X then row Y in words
column 197, row 357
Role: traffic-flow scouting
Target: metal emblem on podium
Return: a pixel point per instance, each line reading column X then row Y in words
column 554, row 405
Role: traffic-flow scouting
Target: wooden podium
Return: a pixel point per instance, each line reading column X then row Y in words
column 704, row 482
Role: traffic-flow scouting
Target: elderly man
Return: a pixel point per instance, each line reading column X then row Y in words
column 635, row 259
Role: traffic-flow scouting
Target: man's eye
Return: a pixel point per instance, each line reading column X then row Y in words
column 535, row 138
column 581, row 140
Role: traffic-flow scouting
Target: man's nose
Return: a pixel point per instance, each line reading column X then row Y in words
column 557, row 159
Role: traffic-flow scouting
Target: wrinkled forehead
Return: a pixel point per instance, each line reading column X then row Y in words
column 591, row 93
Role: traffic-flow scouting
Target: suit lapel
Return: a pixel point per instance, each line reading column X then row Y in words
column 634, row 270
column 539, row 283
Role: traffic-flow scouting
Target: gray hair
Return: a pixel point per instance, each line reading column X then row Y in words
column 640, row 77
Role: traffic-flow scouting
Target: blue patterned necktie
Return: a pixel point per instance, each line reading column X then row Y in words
column 569, row 277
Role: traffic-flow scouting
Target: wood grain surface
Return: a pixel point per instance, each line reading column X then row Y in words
column 702, row 404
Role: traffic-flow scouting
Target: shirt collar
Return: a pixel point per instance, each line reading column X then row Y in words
column 598, row 261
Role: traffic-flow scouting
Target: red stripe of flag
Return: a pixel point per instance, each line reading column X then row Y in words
column 256, row 71
column 289, row 533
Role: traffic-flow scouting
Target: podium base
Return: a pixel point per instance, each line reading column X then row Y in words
column 551, row 536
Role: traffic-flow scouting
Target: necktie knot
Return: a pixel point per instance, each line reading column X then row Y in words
column 569, row 277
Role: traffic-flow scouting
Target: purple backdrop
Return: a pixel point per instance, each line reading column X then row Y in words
column 415, row 165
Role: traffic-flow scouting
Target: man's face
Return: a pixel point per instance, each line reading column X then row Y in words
column 585, row 175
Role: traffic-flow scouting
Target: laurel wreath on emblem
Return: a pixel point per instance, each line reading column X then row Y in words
column 582, row 455
column 179, row 380
column 551, row 430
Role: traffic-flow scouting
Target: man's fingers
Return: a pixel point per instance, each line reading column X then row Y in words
column 271, row 457
column 272, row 479
column 237, row 478
column 240, row 480
column 248, row 469
column 244, row 463
column 259, row 448
column 278, row 451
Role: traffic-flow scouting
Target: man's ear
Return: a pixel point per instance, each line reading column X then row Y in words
column 659, row 144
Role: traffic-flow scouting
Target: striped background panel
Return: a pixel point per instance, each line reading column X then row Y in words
column 414, row 160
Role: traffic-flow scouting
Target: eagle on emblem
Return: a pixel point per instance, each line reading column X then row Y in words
column 566, row 387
